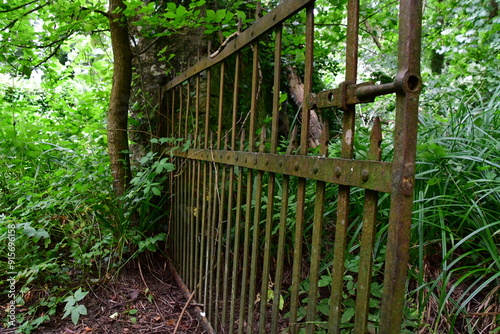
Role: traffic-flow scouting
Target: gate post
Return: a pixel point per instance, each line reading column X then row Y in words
column 408, row 86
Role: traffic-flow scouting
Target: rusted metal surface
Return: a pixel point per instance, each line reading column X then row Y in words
column 368, row 238
column 358, row 173
column 353, row 94
column 408, row 86
column 248, row 221
column 348, row 133
column 314, row 271
column 301, row 191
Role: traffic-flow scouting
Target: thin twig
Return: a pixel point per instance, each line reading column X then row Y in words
column 183, row 310
column 148, row 289
column 223, row 45
column 142, row 277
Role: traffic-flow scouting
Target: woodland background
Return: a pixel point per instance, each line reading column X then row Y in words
column 80, row 175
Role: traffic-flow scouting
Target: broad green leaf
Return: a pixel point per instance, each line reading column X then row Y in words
column 347, row 315
column 79, row 294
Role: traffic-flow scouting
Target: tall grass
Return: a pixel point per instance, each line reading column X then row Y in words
column 455, row 259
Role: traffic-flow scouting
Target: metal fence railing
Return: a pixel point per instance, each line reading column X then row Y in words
column 253, row 221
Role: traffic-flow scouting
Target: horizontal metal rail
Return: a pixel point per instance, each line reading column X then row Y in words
column 372, row 175
column 273, row 19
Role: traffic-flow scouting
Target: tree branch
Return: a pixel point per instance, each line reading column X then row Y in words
column 148, row 46
column 11, row 24
column 53, row 53
column 18, row 7
column 35, row 46
column 369, row 29
column 96, row 11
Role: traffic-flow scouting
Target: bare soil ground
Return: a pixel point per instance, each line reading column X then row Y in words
column 142, row 300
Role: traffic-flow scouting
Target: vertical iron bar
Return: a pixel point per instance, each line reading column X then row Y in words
column 182, row 214
column 246, row 241
column 197, row 111
column 299, row 221
column 272, row 177
column 367, row 238
column 179, row 116
column 196, row 189
column 203, row 233
column 280, row 256
column 178, row 251
column 222, row 187
column 197, row 213
column 202, row 295
column 192, row 222
column 199, row 195
column 207, row 106
column 408, row 83
column 186, row 215
column 185, row 178
column 248, row 214
column 220, row 238
column 172, row 122
column 221, row 105
column 196, row 209
column 236, row 251
column 214, row 200
column 188, row 106
column 348, row 123
column 230, row 198
column 319, row 205
column 255, row 239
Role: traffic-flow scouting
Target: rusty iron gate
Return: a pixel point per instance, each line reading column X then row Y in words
column 235, row 237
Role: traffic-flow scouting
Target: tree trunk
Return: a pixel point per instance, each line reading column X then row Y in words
column 296, row 88
column 119, row 101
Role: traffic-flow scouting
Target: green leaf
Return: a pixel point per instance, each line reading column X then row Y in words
column 68, row 312
column 75, row 316
column 324, row 308
column 79, row 294
column 82, row 309
column 219, row 15
column 325, row 281
column 29, row 231
column 170, row 15
column 348, row 315
column 211, row 17
column 41, row 233
column 181, row 11
column 151, row 247
column 241, row 15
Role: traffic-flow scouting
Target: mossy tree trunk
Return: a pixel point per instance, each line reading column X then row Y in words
column 118, row 147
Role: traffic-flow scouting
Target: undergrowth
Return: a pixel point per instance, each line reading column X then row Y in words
column 454, row 269
column 64, row 228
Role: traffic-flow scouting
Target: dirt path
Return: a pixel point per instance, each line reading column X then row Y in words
column 133, row 303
